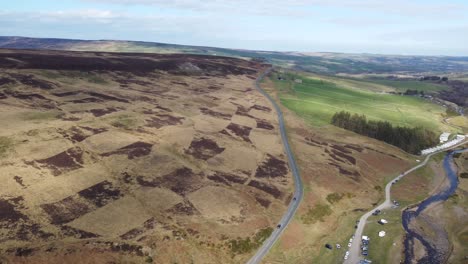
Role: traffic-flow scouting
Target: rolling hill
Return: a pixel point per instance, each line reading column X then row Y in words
column 321, row 62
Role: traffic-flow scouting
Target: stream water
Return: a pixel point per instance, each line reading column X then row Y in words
column 433, row 256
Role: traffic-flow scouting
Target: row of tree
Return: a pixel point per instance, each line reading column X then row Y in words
column 411, row 140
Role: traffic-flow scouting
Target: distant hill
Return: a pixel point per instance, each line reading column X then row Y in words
column 330, row 63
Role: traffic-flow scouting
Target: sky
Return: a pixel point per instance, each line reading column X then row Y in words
column 408, row 27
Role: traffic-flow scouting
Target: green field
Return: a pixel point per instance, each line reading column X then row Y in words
column 385, row 249
column 403, row 85
column 317, row 99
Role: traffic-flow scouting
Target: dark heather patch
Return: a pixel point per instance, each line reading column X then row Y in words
column 336, row 158
column 180, row 181
column 9, row 210
column 162, row 120
column 344, row 156
column 243, row 111
column 354, row 147
column 95, row 130
column 147, row 225
column 268, row 188
column 127, row 178
column 134, row 150
column 137, row 63
column 163, row 108
column 107, row 97
column 31, row 96
column 203, row 148
column 224, row 132
column 19, row 180
column 214, row 88
column 101, row 194
column 28, row 231
column 63, row 94
column 66, row 210
column 180, row 83
column 261, row 108
column 70, row 118
column 101, row 112
column 218, row 179
column 71, row 159
column 316, row 142
column 77, row 233
column 264, row 124
column 240, row 131
column 73, row 134
column 354, row 175
column 86, row 100
column 126, row 82
column 5, row 80
column 272, row 167
column 228, row 177
column 341, row 149
column 263, row 202
column 22, row 251
column 31, row 81
column 184, row 208
column 133, row 233
column 125, row 248
column 213, row 113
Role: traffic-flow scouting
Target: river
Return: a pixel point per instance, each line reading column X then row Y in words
column 433, row 255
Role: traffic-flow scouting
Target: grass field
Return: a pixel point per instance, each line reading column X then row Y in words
column 403, row 85
column 385, row 249
column 317, row 99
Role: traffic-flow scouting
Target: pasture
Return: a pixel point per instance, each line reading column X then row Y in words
column 316, row 99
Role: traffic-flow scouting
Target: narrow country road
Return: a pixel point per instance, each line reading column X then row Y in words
column 298, row 193
column 354, row 251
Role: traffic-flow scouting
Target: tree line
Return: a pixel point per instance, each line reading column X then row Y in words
column 411, row 140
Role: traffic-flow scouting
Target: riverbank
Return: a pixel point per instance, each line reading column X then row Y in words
column 424, row 230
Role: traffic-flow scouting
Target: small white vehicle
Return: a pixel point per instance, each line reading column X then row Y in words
column 338, row 246
column 347, row 253
column 349, row 244
column 351, row 240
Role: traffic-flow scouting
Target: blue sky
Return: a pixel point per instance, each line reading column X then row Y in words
column 358, row 26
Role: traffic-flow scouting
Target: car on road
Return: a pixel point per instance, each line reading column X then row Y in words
column 294, row 198
column 278, row 226
column 349, row 244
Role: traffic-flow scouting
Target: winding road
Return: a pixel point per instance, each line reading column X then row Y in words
column 354, row 251
column 298, row 193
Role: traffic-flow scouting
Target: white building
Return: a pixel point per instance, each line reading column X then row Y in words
column 444, row 137
column 451, row 143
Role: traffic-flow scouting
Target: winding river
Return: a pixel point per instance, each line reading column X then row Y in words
column 433, row 255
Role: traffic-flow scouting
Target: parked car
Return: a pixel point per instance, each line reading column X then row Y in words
column 338, row 246
column 349, row 244
column 278, row 226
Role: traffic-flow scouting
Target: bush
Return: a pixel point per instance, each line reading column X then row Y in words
column 5, row 144
column 316, row 214
column 334, row 197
